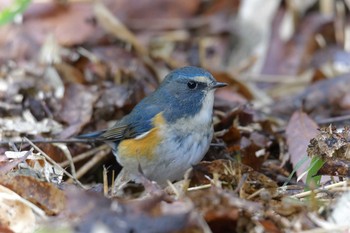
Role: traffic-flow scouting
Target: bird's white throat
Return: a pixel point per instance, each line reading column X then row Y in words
column 200, row 121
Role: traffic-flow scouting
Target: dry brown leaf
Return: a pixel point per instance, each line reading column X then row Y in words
column 43, row 194
column 336, row 167
column 41, row 19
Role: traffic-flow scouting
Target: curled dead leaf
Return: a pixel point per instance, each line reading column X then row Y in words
column 43, row 194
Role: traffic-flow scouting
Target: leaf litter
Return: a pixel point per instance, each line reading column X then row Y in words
column 73, row 67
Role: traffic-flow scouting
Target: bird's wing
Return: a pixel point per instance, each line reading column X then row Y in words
column 136, row 123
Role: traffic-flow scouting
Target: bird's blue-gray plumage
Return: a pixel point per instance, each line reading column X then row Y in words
column 169, row 131
column 173, row 98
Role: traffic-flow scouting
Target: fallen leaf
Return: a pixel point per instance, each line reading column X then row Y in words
column 42, row 19
column 43, row 194
column 300, row 130
column 23, row 41
column 336, row 167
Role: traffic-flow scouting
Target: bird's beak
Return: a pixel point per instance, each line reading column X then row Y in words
column 218, row 85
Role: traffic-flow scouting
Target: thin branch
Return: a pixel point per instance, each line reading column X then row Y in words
column 328, row 187
column 84, row 155
column 70, row 140
column 97, row 158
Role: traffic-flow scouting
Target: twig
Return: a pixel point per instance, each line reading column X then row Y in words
column 328, row 187
column 54, row 162
column 85, row 155
column 113, row 180
column 256, row 193
column 72, row 140
column 105, row 182
column 204, row 186
column 98, row 157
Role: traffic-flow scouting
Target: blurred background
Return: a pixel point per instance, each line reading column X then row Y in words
column 69, row 67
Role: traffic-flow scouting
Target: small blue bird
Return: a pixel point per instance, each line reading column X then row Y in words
column 168, row 131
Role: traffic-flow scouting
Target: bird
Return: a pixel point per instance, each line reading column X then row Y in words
column 168, row 131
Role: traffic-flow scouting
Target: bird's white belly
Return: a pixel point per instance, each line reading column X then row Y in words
column 177, row 154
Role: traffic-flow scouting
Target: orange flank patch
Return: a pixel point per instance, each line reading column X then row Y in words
column 144, row 145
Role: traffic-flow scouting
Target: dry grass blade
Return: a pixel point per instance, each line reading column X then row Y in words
column 328, row 187
column 112, row 25
column 97, row 158
column 105, row 181
column 84, row 155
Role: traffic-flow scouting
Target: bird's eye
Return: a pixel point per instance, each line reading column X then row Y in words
column 192, row 84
